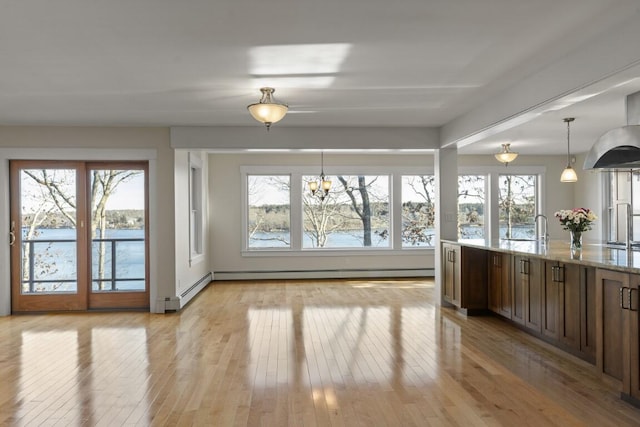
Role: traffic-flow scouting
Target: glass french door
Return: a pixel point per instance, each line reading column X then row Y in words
column 79, row 236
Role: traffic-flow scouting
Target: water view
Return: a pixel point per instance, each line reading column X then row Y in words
column 53, row 264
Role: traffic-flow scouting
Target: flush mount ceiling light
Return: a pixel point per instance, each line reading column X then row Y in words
column 568, row 174
column 506, row 155
column 268, row 111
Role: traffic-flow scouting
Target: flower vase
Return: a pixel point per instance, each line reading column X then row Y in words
column 576, row 240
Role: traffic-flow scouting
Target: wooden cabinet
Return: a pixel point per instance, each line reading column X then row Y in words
column 451, row 272
column 527, row 292
column 464, row 281
column 617, row 329
column 500, row 300
column 568, row 307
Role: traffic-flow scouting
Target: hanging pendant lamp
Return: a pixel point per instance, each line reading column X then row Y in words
column 568, row 174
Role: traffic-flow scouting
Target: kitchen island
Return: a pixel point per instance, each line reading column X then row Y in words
column 584, row 302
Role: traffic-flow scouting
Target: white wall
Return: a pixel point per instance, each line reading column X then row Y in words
column 226, row 218
column 95, row 143
column 188, row 271
column 589, row 193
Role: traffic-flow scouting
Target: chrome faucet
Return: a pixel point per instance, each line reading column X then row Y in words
column 539, row 236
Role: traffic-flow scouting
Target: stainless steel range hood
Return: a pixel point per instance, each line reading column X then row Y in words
column 620, row 147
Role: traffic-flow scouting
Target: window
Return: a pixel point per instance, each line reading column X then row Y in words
column 623, row 204
column 196, row 232
column 354, row 214
column 517, row 206
column 471, row 206
column 269, row 211
column 418, row 210
column 363, row 210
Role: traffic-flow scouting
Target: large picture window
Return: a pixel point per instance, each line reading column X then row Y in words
column 354, row 214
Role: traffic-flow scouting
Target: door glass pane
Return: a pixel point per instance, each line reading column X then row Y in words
column 117, row 230
column 48, row 217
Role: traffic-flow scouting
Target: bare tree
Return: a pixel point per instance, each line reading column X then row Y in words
column 516, row 200
column 419, row 216
column 321, row 217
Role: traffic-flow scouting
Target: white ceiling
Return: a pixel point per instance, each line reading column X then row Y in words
column 200, row 62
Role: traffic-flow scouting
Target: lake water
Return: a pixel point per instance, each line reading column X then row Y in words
column 57, row 260
column 354, row 240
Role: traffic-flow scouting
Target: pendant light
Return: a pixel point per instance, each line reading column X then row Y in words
column 267, row 110
column 324, row 185
column 568, row 174
column 506, row 155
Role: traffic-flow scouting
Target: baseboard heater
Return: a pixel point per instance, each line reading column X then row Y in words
column 325, row 274
column 177, row 303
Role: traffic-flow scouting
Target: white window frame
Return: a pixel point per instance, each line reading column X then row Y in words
column 296, row 173
column 196, row 209
column 492, row 173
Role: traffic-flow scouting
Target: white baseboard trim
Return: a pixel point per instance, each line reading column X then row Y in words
column 324, row 274
column 178, row 302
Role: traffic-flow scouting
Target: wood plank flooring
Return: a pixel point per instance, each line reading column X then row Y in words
column 295, row 353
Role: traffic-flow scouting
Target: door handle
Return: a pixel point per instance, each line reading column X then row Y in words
column 631, row 301
column 622, row 298
column 12, row 233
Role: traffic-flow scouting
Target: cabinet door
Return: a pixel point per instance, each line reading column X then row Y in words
column 473, row 279
column 610, row 288
column 451, row 272
column 632, row 336
column 447, row 274
column 495, row 277
column 588, row 313
column 499, row 284
column 505, row 286
column 551, row 299
column 569, row 309
column 522, row 267
column 533, row 296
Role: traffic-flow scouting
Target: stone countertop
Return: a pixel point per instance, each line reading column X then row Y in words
column 596, row 255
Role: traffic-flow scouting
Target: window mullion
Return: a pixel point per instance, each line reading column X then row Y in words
column 296, row 211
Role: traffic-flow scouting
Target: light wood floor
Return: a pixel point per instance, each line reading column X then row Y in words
column 290, row 353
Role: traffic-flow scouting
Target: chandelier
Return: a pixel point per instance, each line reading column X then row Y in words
column 267, row 110
column 505, row 156
column 324, row 185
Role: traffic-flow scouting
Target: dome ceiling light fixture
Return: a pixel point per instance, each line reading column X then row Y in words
column 267, row 110
column 506, row 155
column 568, row 174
